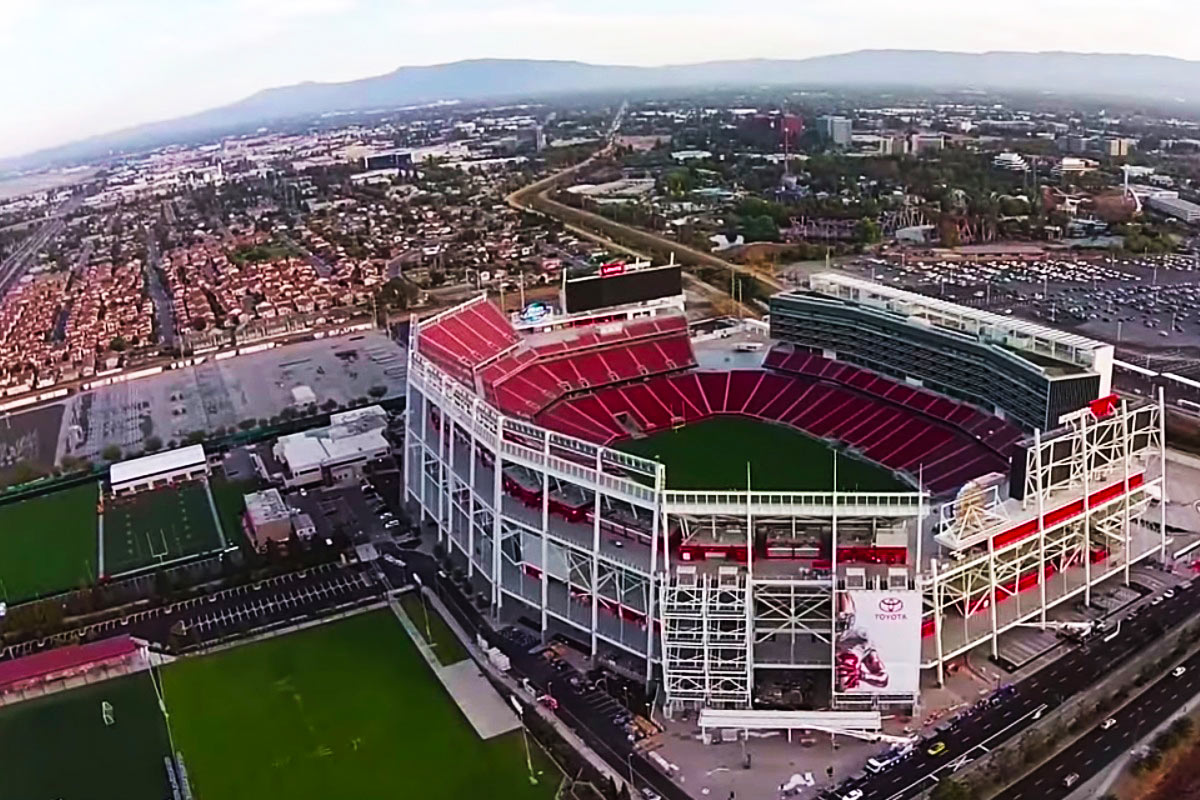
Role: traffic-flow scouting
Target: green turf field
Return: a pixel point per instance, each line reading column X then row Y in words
column 348, row 709
column 58, row 747
column 446, row 646
column 157, row 526
column 713, row 454
column 48, row 543
column 229, row 497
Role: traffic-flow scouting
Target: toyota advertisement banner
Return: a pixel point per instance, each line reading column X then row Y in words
column 878, row 645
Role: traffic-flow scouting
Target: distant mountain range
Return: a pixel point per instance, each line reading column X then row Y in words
column 1155, row 78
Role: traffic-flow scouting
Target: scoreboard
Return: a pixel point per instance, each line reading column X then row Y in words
column 615, row 284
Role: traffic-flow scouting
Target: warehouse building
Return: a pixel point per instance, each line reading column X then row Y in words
column 334, row 455
column 159, row 469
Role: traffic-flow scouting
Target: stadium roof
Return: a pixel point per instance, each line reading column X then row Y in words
column 985, row 319
column 351, row 435
column 160, row 463
column 765, row 719
column 73, row 656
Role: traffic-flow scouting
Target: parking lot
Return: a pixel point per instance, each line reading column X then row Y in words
column 295, row 595
column 247, row 606
column 1147, row 302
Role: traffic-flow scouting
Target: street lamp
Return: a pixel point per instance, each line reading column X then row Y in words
column 525, row 737
column 424, row 608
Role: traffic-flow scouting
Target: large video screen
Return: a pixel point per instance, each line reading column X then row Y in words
column 615, row 288
column 878, row 645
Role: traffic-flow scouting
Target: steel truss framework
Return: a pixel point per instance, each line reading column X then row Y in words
column 1051, row 539
column 712, row 628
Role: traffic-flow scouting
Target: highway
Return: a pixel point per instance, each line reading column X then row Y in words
column 14, row 266
column 1098, row 748
column 979, row 730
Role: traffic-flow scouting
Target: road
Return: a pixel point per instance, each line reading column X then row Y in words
column 976, row 732
column 14, row 266
column 1098, row 747
column 164, row 312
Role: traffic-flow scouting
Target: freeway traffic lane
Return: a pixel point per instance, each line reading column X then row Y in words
column 1098, row 748
column 977, row 731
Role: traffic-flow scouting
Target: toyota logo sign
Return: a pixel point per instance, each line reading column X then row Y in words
column 891, row 605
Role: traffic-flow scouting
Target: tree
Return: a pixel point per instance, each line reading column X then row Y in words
column 951, row 789
column 117, row 344
column 377, row 391
column 248, row 424
column 111, row 452
column 868, row 231
column 153, row 443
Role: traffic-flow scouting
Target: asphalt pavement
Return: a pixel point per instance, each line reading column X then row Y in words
column 1099, row 747
column 978, row 730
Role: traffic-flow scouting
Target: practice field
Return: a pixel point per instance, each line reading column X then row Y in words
column 48, row 543
column 158, row 526
column 347, row 709
column 713, row 454
column 59, row 747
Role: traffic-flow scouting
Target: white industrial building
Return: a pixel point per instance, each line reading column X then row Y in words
column 337, row 453
column 1176, row 207
column 159, row 469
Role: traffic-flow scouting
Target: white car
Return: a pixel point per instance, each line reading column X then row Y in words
column 1178, row 671
column 853, row 794
column 1108, row 723
column 391, row 523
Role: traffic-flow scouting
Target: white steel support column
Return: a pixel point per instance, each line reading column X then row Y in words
column 1128, row 529
column 833, row 596
column 451, row 477
column 1162, row 485
column 473, row 455
column 1041, row 515
column 992, row 599
column 407, row 457
column 545, row 582
column 650, row 593
column 497, row 507
column 937, row 623
column 442, row 447
column 424, row 450
column 1087, row 512
column 596, row 553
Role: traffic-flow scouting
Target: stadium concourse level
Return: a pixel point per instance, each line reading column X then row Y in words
column 890, row 423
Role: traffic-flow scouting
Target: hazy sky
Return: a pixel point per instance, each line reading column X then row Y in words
column 73, row 68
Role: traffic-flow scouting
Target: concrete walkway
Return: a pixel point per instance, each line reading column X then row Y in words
column 487, row 712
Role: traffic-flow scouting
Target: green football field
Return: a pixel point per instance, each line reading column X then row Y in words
column 48, row 543
column 713, row 455
column 59, row 747
column 348, row 709
column 157, row 526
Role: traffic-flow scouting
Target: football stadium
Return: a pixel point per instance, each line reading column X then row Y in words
column 880, row 483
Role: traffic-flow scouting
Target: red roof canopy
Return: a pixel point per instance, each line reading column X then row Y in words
column 64, row 658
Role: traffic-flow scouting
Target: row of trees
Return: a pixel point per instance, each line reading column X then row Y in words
column 1033, row 746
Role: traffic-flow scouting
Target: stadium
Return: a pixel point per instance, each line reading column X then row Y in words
column 822, row 520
